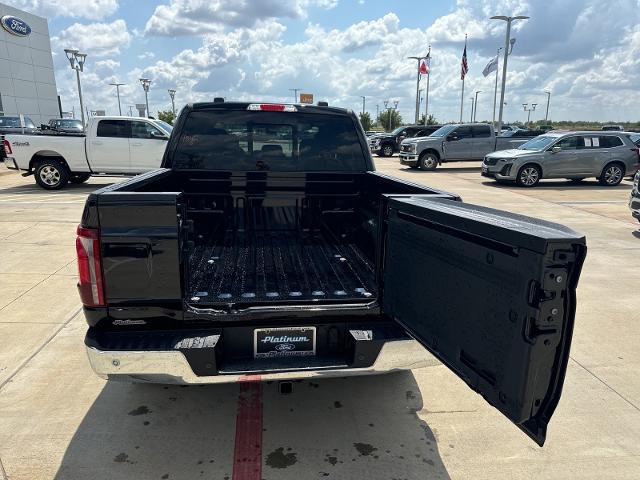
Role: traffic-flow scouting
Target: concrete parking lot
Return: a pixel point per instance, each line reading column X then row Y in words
column 58, row 420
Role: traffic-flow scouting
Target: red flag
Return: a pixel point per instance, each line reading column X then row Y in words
column 424, row 67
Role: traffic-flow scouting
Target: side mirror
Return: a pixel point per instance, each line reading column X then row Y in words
column 158, row 136
column 556, row 149
column 452, row 138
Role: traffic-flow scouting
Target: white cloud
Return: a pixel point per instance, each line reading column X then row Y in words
column 196, row 17
column 90, row 9
column 99, row 39
column 145, row 55
column 590, row 61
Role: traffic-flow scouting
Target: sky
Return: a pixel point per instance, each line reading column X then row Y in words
column 585, row 52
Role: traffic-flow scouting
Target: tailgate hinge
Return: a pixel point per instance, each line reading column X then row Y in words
column 548, row 299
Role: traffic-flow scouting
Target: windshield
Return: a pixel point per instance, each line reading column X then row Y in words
column 444, row 131
column 71, row 124
column 285, row 142
column 397, row 130
column 538, row 143
column 635, row 138
column 14, row 122
column 164, row 126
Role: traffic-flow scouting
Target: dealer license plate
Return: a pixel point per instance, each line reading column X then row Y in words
column 284, row 342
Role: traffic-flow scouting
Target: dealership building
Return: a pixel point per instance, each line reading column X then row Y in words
column 27, row 80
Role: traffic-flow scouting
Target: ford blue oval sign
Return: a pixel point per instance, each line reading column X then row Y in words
column 15, row 26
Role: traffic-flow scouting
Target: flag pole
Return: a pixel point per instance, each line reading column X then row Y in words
column 462, row 95
column 495, row 91
column 426, row 107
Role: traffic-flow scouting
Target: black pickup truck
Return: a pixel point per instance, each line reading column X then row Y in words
column 386, row 144
column 268, row 245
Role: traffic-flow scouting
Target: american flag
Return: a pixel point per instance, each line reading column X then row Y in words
column 465, row 67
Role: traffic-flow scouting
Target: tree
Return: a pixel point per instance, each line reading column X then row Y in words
column 390, row 119
column 166, row 116
column 430, row 121
column 365, row 120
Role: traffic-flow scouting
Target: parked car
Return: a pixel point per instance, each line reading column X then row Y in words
column 237, row 258
column 12, row 125
column 64, row 125
column 616, row 128
column 608, row 156
column 634, row 198
column 452, row 143
column 112, row 145
column 386, row 144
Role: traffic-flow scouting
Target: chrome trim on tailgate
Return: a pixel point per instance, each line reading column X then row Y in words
column 172, row 367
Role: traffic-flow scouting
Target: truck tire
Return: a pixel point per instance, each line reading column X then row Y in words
column 428, row 161
column 612, row 174
column 528, row 175
column 79, row 177
column 51, row 174
column 386, row 150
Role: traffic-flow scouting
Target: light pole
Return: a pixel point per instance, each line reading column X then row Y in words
column 504, row 61
column 475, row 109
column 426, row 101
column 389, row 109
column 363, row 102
column 131, row 110
column 420, row 106
column 495, row 91
column 77, row 59
column 546, row 115
column 118, row 85
column 146, row 83
column 417, row 89
column 172, row 94
column 472, row 105
column 295, row 93
column 529, row 110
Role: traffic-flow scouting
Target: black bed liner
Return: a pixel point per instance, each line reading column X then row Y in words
column 259, row 267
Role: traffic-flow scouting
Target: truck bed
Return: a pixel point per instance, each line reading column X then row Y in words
column 260, row 267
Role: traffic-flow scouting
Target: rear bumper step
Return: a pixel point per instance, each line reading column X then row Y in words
column 196, row 357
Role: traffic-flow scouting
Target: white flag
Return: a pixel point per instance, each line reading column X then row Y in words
column 492, row 66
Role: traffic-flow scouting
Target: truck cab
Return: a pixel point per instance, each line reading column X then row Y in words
column 268, row 245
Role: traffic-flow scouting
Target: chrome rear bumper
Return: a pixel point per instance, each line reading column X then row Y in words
column 171, row 367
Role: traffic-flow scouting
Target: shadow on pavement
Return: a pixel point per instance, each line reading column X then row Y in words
column 363, row 427
column 560, row 185
column 31, row 188
column 442, row 169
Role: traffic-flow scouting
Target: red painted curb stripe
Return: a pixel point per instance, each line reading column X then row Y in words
column 247, row 455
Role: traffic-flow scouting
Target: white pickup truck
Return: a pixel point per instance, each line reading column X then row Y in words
column 112, row 145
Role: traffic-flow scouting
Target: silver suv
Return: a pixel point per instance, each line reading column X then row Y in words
column 608, row 156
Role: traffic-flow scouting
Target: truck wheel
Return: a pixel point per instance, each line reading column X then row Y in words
column 528, row 176
column 428, row 161
column 387, row 150
column 79, row 177
column 611, row 175
column 51, row 174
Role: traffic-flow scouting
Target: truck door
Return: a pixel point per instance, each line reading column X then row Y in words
column 491, row 294
column 147, row 145
column 459, row 144
column 483, row 141
column 108, row 147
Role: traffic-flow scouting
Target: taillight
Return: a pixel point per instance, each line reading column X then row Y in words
column 7, row 147
column 90, row 285
column 272, row 107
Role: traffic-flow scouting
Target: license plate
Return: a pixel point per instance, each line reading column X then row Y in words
column 284, row 342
